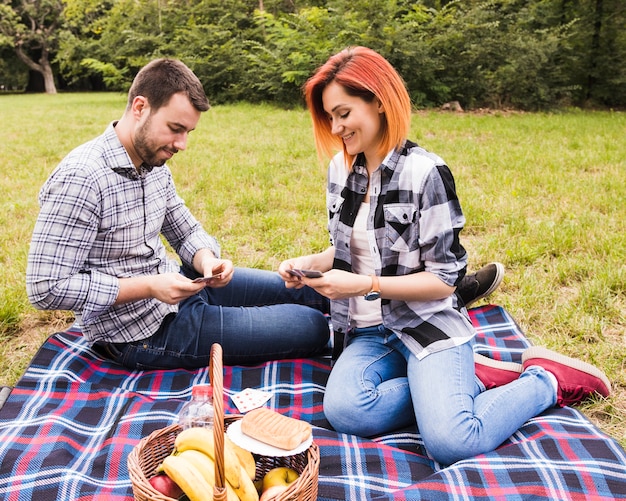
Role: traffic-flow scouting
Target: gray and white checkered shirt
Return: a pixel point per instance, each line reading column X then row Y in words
column 101, row 219
column 413, row 226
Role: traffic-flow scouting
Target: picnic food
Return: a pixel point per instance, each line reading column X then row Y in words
column 273, row 492
column 281, row 475
column 245, row 457
column 187, row 477
column 193, row 466
column 272, row 428
column 277, row 480
column 206, row 467
column 165, row 485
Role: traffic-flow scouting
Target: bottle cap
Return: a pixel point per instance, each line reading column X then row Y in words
column 202, row 391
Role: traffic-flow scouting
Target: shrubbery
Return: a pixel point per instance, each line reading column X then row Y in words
column 530, row 55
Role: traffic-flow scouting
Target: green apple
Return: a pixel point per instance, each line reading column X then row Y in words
column 281, row 476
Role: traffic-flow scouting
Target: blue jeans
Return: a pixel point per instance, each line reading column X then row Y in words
column 255, row 318
column 377, row 386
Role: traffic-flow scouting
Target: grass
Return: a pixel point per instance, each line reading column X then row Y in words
column 543, row 193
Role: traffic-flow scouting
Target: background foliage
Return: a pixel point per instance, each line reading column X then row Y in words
column 525, row 54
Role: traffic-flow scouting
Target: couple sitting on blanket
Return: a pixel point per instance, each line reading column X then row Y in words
column 394, row 275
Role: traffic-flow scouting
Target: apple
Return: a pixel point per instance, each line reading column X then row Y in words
column 272, row 492
column 281, row 476
column 165, row 485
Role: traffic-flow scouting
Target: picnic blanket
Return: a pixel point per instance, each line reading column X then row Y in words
column 67, row 428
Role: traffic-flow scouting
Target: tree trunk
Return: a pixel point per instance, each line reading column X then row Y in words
column 595, row 48
column 48, row 78
column 43, row 67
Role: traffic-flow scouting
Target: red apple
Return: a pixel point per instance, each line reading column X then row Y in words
column 272, row 492
column 165, row 485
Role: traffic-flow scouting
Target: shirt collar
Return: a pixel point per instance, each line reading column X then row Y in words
column 390, row 162
column 119, row 160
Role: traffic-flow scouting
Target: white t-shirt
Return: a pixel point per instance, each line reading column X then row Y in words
column 362, row 313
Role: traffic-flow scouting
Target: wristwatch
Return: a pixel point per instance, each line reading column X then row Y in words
column 374, row 294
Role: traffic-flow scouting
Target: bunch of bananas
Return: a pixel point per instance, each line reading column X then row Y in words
column 192, row 466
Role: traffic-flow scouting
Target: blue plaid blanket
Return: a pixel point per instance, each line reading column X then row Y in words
column 68, row 426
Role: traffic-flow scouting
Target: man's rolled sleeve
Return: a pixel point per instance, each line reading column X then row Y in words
column 101, row 295
column 199, row 240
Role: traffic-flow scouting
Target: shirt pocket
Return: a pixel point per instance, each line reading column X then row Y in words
column 401, row 227
column 334, row 203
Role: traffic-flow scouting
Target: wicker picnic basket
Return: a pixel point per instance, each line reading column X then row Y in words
column 148, row 454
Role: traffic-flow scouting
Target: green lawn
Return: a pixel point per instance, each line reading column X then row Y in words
column 543, row 193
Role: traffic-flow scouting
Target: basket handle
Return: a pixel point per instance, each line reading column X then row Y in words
column 217, row 381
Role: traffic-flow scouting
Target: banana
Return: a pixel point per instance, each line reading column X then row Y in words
column 246, row 459
column 206, row 467
column 246, row 490
column 201, row 439
column 188, row 478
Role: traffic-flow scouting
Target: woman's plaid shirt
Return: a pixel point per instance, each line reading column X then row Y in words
column 413, row 226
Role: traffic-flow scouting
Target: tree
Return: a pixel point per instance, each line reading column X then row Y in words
column 31, row 28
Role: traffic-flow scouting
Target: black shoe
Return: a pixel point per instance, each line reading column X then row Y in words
column 480, row 284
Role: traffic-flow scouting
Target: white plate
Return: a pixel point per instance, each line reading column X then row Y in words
column 256, row 447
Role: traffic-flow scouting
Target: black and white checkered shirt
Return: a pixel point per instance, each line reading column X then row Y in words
column 101, row 219
column 413, row 226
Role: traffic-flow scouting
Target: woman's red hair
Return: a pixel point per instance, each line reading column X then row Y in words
column 364, row 73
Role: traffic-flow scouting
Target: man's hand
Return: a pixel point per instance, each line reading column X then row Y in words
column 221, row 270
column 172, row 288
column 217, row 272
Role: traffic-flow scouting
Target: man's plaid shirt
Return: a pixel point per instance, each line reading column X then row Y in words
column 101, row 219
column 413, row 226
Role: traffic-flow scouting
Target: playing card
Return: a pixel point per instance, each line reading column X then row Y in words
column 305, row 273
column 205, row 280
column 250, row 398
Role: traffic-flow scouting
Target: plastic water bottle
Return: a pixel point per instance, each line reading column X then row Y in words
column 199, row 410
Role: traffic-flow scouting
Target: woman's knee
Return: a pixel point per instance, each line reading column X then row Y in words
column 448, row 444
column 344, row 416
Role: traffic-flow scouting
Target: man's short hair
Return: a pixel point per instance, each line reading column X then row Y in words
column 160, row 79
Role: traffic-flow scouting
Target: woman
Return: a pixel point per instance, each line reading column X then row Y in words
column 390, row 273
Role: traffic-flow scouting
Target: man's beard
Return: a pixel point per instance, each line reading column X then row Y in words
column 146, row 149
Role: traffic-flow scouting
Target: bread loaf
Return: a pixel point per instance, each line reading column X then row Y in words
column 275, row 429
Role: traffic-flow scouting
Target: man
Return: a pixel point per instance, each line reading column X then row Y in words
column 96, row 249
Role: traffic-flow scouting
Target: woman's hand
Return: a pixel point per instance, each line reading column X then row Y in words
column 322, row 261
column 338, row 284
column 298, row 263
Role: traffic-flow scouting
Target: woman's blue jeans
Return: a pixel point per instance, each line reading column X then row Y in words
column 255, row 318
column 377, row 386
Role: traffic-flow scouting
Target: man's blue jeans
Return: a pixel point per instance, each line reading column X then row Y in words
column 377, row 386
column 255, row 318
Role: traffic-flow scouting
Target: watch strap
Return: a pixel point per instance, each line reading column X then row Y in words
column 375, row 284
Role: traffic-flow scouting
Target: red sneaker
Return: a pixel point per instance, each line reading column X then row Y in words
column 577, row 379
column 494, row 373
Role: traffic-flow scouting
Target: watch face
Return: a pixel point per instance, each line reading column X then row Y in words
column 372, row 296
